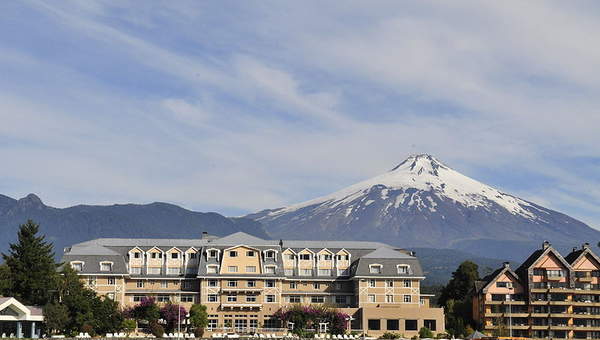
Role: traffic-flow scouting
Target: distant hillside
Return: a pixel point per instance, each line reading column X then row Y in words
column 67, row 226
column 438, row 264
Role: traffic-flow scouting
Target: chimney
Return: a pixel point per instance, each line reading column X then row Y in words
column 585, row 246
column 545, row 245
column 574, row 249
column 280, row 243
column 204, row 235
column 506, row 264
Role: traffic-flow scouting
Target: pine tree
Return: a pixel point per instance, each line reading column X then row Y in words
column 31, row 266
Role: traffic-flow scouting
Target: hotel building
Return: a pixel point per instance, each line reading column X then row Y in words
column 243, row 280
column 549, row 296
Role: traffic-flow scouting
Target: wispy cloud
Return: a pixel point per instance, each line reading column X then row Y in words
column 238, row 107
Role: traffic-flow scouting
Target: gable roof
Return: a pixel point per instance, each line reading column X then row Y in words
column 386, row 253
column 242, row 238
column 574, row 256
column 522, row 271
column 483, row 284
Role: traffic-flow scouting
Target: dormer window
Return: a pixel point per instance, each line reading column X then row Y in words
column 136, row 255
column 212, row 269
column 156, row 255
column 270, row 270
column 326, row 257
column 174, row 255
column 233, row 253
column 375, row 269
column 403, row 269
column 343, row 257
column 77, row 266
column 289, row 257
column 250, row 253
column 105, row 266
column 192, row 256
column 213, row 253
column 305, row 257
column 270, row 254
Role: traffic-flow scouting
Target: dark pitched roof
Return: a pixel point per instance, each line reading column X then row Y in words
column 574, row 255
column 522, row 270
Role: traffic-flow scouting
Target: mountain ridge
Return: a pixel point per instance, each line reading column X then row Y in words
column 66, row 226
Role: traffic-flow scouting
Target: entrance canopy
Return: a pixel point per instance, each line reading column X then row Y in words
column 13, row 310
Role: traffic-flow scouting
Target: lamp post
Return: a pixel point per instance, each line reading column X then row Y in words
column 350, row 319
column 510, row 289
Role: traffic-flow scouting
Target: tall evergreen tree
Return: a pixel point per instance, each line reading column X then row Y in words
column 5, row 280
column 31, row 265
column 456, row 298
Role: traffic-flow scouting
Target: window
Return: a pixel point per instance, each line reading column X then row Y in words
column 338, row 286
column 407, row 283
column 232, row 269
column 139, row 284
column 324, row 272
column 305, row 272
column 343, row 257
column 305, row 257
column 77, row 266
column 231, row 283
column 137, row 255
column 173, row 271
column 340, row 299
column 326, row 257
column 231, row 298
column 250, row 253
column 403, row 269
column 410, row 325
column 431, row 324
column 371, row 298
column 138, row 298
column 270, row 298
column 407, row 298
column 250, row 298
column 289, row 272
column 135, row 270
column 289, row 257
column 343, row 272
column 105, row 266
column 270, row 270
column 270, row 254
column 153, row 255
column 186, row 284
column 212, row 283
column 251, row 283
column 293, row 285
column 389, row 283
column 111, row 280
column 295, row 299
column 316, row 286
column 154, row 270
column 212, row 297
column 555, row 273
column 162, row 298
column 539, row 271
column 91, row 280
column 375, row 269
column 374, row 324
column 164, row 284
column 371, row 283
column 111, row 296
column 389, row 298
column 212, row 269
column 393, row 325
column 269, row 283
column 193, row 256
column 175, row 255
column 250, row 269
column 317, row 299
column 422, row 300
column 213, row 253
column 212, row 323
column 233, row 253
column 187, row 298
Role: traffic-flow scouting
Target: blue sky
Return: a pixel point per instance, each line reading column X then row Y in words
column 239, row 106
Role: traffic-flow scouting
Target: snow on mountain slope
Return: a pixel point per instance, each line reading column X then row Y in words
column 424, row 203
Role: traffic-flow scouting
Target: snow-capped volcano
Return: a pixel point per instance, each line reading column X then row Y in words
column 424, row 203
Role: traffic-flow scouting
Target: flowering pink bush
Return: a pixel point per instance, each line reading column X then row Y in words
column 171, row 314
column 305, row 317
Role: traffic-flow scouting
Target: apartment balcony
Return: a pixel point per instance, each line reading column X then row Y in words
column 240, row 305
column 561, row 327
column 540, row 315
column 580, row 328
column 242, row 289
column 540, row 327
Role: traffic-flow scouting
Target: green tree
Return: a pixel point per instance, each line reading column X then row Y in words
column 128, row 325
column 31, row 265
column 198, row 316
column 107, row 316
column 5, row 280
column 56, row 317
column 456, row 298
column 425, row 332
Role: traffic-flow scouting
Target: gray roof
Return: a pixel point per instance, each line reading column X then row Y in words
column 148, row 242
column 242, row 238
column 92, row 263
column 387, row 253
column 332, row 244
column 389, row 267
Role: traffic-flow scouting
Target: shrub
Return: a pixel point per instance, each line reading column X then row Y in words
column 390, row 335
column 87, row 328
column 128, row 325
column 425, row 332
column 199, row 332
column 156, row 329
